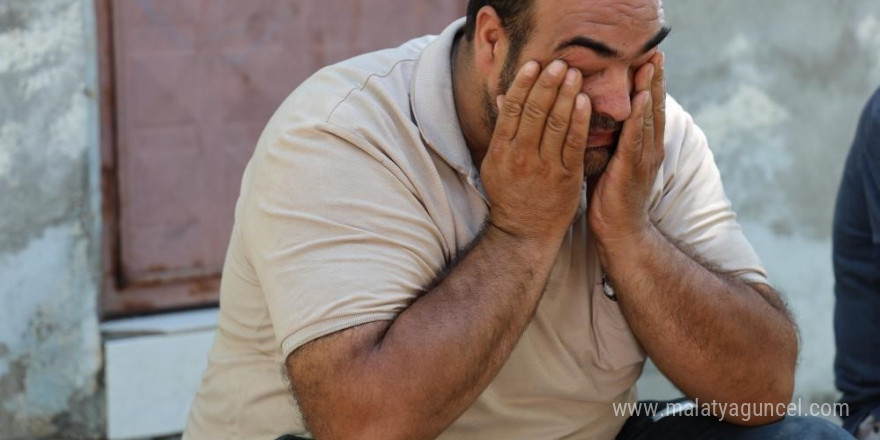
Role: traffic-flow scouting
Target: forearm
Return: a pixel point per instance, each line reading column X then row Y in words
column 715, row 337
column 440, row 353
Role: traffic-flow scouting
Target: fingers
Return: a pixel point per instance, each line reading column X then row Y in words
column 629, row 148
column 537, row 106
column 578, row 131
column 511, row 109
column 648, row 132
column 559, row 120
column 648, row 114
column 658, row 95
column 632, row 137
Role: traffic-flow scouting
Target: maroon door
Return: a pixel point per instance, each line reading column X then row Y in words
column 190, row 86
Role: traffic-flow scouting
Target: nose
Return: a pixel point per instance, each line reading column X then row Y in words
column 610, row 91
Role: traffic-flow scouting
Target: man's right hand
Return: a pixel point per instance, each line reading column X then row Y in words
column 533, row 171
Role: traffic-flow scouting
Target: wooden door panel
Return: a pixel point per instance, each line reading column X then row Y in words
column 190, row 84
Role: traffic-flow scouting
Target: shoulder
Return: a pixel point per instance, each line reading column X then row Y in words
column 684, row 140
column 373, row 77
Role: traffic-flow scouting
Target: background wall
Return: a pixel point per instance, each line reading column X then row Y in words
column 49, row 222
column 778, row 87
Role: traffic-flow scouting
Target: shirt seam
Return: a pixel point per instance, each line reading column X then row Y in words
column 363, row 85
column 323, row 328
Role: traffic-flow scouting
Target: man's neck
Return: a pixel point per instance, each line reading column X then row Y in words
column 467, row 92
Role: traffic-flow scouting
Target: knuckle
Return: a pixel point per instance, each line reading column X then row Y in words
column 533, row 110
column 638, row 137
column 575, row 141
column 520, row 87
column 519, row 162
column 544, row 172
column 566, row 173
column 512, row 107
column 659, row 76
column 498, row 146
column 661, row 105
column 557, row 123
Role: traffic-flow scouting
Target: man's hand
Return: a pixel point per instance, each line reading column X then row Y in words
column 619, row 205
column 533, row 172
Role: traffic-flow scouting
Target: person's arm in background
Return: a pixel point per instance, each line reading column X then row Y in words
column 856, row 247
column 410, row 378
column 714, row 336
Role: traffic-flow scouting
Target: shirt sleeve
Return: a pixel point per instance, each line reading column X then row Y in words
column 336, row 233
column 690, row 207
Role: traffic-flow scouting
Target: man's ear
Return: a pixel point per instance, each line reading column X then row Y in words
column 490, row 42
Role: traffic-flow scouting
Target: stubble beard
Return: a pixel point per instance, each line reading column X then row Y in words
column 596, row 159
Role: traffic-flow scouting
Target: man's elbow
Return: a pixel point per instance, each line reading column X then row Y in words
column 343, row 427
column 766, row 406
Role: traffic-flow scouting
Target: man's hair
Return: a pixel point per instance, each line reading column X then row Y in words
column 516, row 17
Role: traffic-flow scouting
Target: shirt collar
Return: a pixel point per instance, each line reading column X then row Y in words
column 433, row 103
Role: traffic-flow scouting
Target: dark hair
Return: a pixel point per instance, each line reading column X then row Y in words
column 516, row 17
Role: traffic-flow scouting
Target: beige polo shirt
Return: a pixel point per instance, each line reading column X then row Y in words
column 360, row 191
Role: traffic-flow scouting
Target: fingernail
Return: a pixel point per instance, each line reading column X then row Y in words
column 556, row 67
column 499, row 100
column 530, row 68
column 580, row 102
column 571, row 77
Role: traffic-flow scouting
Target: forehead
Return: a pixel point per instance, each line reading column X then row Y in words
column 625, row 25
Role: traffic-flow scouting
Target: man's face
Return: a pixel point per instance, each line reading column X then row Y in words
column 607, row 40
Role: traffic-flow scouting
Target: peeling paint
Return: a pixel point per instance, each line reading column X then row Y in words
column 37, row 139
column 59, row 346
column 67, row 134
column 50, row 347
column 27, row 47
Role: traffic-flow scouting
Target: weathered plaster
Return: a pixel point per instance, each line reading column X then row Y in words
column 778, row 87
column 50, row 354
column 43, row 71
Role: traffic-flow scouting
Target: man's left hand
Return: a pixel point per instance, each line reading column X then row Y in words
column 620, row 200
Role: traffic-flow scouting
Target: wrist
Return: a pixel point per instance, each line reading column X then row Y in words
column 532, row 249
column 626, row 247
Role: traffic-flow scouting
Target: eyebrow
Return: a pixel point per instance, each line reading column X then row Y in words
column 606, row 51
